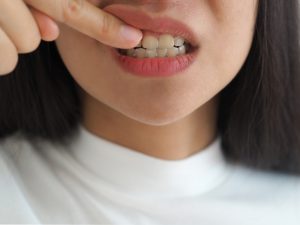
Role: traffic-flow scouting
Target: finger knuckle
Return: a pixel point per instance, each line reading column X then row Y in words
column 71, row 9
column 106, row 24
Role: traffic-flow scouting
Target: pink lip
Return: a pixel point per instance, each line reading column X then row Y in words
column 153, row 67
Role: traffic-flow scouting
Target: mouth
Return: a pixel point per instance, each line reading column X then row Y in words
column 151, row 63
column 162, row 36
column 168, row 46
column 159, row 45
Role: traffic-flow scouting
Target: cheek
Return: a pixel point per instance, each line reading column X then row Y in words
column 229, row 37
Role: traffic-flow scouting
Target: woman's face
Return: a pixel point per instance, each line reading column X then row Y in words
column 224, row 30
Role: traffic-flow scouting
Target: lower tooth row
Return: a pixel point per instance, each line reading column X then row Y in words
column 151, row 53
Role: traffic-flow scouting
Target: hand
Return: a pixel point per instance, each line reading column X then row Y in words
column 24, row 23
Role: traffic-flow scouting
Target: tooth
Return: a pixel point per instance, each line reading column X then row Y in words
column 139, row 44
column 182, row 50
column 178, row 41
column 162, row 52
column 151, row 53
column 131, row 52
column 164, row 46
column 166, row 41
column 172, row 52
column 140, row 53
column 150, row 42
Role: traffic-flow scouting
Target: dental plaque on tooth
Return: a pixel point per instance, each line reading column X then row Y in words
column 164, row 46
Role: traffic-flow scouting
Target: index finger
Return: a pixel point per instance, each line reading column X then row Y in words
column 90, row 20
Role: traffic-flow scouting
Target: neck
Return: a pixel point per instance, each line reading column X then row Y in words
column 174, row 141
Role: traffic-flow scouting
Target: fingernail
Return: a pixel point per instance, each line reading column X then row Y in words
column 130, row 33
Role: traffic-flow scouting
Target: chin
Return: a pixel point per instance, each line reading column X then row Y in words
column 156, row 117
column 154, row 120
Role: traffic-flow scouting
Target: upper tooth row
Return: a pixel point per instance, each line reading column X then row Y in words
column 164, row 41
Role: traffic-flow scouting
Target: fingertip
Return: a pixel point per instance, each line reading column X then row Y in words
column 50, row 32
column 131, row 35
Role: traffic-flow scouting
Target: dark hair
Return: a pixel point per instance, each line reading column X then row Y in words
column 259, row 109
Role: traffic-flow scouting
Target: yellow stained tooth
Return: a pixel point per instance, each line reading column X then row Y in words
column 166, row 41
column 172, row 52
column 178, row 41
column 150, row 42
column 131, row 52
column 162, row 52
column 151, row 53
column 140, row 53
column 139, row 44
column 163, row 46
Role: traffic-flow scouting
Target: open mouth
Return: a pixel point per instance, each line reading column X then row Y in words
column 162, row 46
column 157, row 55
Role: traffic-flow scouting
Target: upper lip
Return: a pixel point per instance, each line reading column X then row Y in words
column 144, row 21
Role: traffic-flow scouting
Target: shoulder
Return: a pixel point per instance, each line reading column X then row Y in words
column 266, row 187
column 251, row 175
column 13, row 206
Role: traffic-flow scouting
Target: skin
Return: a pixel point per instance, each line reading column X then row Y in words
column 168, row 118
column 35, row 20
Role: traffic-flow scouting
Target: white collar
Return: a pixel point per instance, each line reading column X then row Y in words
column 142, row 175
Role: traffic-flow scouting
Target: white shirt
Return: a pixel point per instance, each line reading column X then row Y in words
column 93, row 180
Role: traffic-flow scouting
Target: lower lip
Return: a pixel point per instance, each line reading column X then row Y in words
column 154, row 67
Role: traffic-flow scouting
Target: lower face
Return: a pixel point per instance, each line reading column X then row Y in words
column 224, row 29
